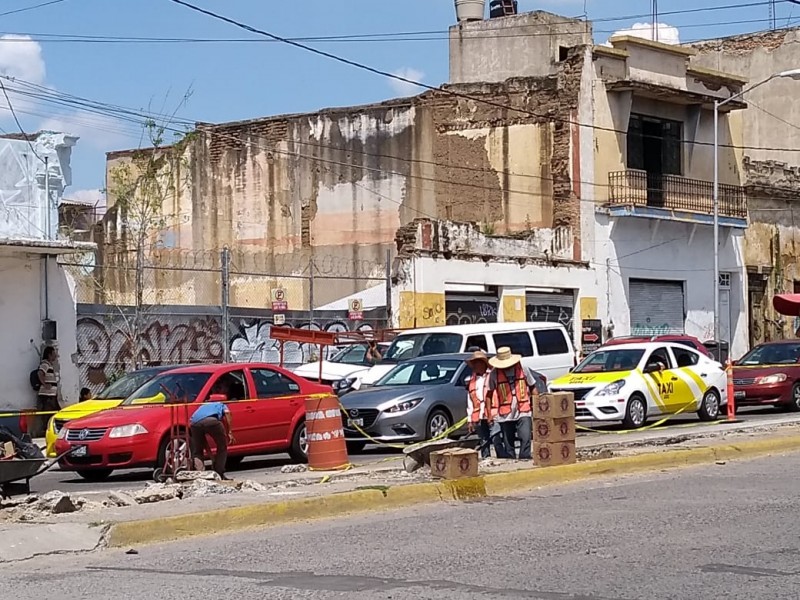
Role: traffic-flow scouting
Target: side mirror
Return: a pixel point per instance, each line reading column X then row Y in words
column 652, row 368
column 217, row 398
column 293, row 387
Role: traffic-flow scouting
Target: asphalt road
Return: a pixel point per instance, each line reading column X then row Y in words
column 707, row 532
column 70, row 482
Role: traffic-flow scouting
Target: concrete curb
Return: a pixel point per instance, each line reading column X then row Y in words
column 135, row 533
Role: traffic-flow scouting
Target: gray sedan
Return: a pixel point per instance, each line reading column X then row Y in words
column 415, row 401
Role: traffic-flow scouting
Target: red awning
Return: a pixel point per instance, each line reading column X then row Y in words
column 787, row 304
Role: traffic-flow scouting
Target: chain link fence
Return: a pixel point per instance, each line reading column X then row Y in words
column 194, row 307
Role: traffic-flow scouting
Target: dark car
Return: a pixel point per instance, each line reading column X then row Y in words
column 769, row 375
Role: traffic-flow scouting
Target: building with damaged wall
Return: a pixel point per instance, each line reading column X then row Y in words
column 335, row 186
column 771, row 168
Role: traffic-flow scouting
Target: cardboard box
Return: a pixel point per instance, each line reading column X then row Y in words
column 554, row 406
column 551, row 455
column 454, row 463
column 554, row 430
column 7, row 450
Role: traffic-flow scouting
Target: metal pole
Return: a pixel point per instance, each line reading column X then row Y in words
column 226, row 290
column 389, row 289
column 47, row 219
column 311, row 292
column 716, row 224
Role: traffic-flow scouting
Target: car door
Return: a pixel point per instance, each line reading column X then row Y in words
column 234, row 387
column 694, row 369
column 669, row 391
column 278, row 400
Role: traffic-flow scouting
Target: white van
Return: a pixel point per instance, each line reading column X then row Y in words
column 544, row 347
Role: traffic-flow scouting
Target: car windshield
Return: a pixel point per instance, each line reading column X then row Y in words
column 772, row 354
column 421, row 372
column 422, row 344
column 610, row 360
column 126, row 385
column 351, row 355
column 178, row 387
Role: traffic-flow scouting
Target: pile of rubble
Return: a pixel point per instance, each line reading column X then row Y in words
column 193, row 484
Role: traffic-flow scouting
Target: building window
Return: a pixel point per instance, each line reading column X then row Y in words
column 655, row 145
column 725, row 281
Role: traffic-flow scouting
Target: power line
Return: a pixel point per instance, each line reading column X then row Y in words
column 16, row 120
column 34, row 7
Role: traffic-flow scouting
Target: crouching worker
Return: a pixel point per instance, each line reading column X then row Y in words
column 212, row 419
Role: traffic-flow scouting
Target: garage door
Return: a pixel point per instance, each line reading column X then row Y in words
column 558, row 307
column 657, row 307
column 468, row 309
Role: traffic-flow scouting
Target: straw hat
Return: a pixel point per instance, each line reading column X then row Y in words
column 478, row 355
column 504, row 359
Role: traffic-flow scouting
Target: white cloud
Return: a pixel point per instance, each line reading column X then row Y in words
column 99, row 131
column 91, row 197
column 21, row 57
column 404, row 88
column 666, row 34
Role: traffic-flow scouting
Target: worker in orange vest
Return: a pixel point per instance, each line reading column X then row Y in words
column 512, row 387
column 479, row 406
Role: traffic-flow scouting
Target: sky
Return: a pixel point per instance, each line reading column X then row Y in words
column 233, row 80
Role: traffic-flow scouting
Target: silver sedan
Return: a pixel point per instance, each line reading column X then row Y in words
column 417, row 400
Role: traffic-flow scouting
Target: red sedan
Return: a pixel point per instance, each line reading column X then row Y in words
column 769, row 375
column 267, row 407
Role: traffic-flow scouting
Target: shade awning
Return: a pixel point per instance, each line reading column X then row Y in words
column 787, row 304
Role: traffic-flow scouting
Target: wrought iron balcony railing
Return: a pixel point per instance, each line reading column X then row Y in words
column 673, row 192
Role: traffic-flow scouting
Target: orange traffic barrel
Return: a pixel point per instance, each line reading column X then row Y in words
column 327, row 450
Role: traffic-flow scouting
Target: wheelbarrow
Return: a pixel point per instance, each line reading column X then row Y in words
column 22, row 470
column 419, row 455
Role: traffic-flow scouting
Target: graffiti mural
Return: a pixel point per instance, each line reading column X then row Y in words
column 465, row 312
column 107, row 348
column 552, row 314
column 106, row 345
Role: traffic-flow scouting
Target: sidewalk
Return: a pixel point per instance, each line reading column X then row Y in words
column 307, row 495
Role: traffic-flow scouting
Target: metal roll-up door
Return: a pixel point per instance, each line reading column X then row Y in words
column 468, row 309
column 657, row 307
column 551, row 307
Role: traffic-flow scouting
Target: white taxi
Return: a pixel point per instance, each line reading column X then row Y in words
column 631, row 382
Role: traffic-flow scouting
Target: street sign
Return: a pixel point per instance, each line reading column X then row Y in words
column 356, row 312
column 279, row 319
column 591, row 335
column 279, row 303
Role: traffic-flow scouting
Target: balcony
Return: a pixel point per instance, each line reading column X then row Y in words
column 639, row 193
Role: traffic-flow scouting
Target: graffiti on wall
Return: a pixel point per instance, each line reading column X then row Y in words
column 460, row 312
column 551, row 314
column 106, row 345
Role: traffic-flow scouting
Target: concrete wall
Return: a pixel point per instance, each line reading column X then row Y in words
column 771, row 170
column 335, row 186
column 22, row 309
column 525, row 45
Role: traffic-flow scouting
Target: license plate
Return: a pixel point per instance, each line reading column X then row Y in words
column 738, row 395
column 355, row 422
column 79, row 451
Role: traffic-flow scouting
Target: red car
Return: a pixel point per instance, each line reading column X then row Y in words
column 267, row 407
column 769, row 375
column 686, row 340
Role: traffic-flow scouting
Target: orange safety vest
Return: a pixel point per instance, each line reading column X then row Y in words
column 472, row 390
column 504, row 396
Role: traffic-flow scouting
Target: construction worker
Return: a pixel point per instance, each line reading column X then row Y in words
column 512, row 387
column 212, row 419
column 479, row 407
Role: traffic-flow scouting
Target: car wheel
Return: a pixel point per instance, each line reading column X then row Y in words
column 174, row 447
column 709, row 407
column 299, row 448
column 356, row 447
column 438, row 423
column 794, row 403
column 635, row 412
column 95, row 475
column 233, row 462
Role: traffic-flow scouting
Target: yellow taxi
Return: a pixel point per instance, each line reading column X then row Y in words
column 632, row 382
column 111, row 397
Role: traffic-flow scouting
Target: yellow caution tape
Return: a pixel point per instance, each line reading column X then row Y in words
column 650, row 426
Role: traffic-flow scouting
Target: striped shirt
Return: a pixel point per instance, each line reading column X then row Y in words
column 50, row 385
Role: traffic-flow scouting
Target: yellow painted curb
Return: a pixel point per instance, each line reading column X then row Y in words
column 377, row 498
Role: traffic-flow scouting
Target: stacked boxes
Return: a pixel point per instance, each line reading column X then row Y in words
column 554, row 429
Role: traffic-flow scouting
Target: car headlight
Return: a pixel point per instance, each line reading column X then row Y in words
column 769, row 379
column 404, row 406
column 344, row 383
column 612, row 389
column 62, row 433
column 124, row 431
